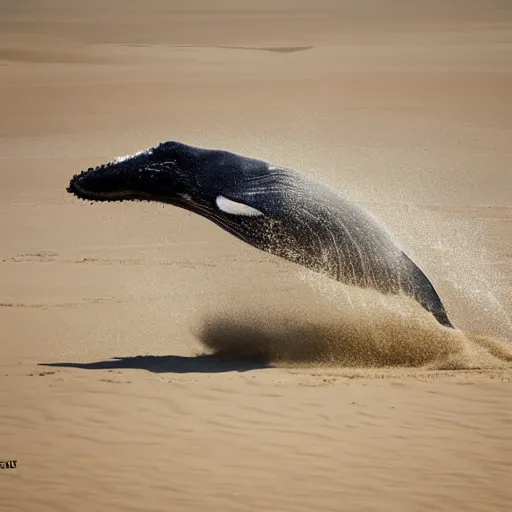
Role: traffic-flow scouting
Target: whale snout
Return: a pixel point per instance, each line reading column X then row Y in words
column 104, row 183
column 141, row 176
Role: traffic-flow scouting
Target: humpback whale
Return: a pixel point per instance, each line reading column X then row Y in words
column 275, row 209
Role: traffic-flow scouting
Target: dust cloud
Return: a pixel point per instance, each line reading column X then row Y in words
column 342, row 326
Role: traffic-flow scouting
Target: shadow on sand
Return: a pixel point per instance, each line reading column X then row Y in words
column 169, row 364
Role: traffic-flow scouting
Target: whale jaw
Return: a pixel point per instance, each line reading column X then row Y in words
column 106, row 182
column 75, row 187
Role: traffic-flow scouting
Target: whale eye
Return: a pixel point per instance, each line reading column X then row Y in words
column 234, row 208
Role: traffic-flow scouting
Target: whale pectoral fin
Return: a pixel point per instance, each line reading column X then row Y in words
column 235, row 208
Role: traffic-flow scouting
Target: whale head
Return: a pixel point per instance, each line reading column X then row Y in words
column 171, row 172
column 242, row 195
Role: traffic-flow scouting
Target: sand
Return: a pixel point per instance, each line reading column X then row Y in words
column 110, row 396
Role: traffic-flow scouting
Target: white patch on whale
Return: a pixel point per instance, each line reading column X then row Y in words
column 126, row 157
column 234, row 208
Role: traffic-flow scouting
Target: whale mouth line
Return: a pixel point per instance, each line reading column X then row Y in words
column 118, row 195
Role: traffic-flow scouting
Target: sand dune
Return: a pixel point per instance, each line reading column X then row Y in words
column 150, row 361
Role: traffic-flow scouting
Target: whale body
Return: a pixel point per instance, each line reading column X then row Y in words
column 277, row 210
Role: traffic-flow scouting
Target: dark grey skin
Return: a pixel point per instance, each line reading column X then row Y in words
column 277, row 210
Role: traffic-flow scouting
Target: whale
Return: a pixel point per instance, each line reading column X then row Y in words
column 275, row 209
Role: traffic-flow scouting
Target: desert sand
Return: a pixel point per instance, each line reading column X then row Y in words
column 111, row 395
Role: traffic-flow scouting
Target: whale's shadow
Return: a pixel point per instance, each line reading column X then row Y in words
column 169, row 364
